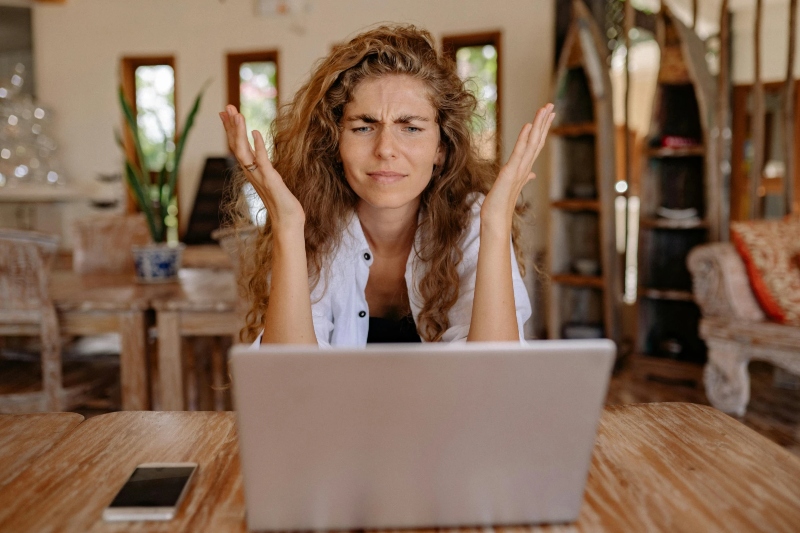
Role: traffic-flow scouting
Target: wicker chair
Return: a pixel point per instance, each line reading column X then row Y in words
column 102, row 243
column 27, row 310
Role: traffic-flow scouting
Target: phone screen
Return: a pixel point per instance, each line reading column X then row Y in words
column 153, row 487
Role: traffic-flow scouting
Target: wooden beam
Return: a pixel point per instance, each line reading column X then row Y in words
column 723, row 110
column 758, row 120
column 790, row 179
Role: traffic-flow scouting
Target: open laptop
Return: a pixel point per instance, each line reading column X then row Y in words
column 410, row 436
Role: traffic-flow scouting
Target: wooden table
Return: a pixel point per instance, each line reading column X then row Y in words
column 656, row 467
column 94, row 304
column 205, row 303
column 23, row 438
column 202, row 302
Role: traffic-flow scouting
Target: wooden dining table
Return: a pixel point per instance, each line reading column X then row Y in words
column 655, row 467
column 94, row 304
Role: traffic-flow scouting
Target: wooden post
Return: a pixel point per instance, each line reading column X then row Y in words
column 723, row 107
column 757, row 120
column 789, row 110
column 694, row 15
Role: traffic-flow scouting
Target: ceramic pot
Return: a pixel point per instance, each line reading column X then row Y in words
column 157, row 263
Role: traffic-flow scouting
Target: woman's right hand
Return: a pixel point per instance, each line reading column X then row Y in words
column 282, row 206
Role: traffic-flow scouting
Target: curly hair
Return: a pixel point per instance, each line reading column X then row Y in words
column 306, row 154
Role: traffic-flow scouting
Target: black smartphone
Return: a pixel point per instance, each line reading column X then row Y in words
column 153, row 492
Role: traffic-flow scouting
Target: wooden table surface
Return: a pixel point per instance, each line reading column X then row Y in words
column 656, row 467
column 23, row 438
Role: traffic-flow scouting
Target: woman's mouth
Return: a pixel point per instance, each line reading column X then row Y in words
column 386, row 176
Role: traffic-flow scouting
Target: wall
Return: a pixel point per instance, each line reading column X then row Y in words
column 774, row 42
column 78, row 46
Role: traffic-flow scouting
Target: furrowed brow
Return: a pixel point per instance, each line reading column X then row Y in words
column 369, row 119
column 405, row 119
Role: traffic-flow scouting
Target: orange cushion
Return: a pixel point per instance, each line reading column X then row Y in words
column 769, row 248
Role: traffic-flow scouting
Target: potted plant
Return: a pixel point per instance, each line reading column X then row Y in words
column 155, row 193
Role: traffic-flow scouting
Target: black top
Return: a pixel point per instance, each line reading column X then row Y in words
column 389, row 330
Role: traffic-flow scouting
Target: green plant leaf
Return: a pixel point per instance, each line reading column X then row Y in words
column 133, row 128
column 145, row 205
column 173, row 177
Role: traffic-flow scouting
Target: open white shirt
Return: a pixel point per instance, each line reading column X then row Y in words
column 339, row 304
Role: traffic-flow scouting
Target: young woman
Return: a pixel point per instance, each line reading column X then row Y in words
column 383, row 222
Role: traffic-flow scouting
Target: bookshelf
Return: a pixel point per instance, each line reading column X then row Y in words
column 584, row 281
column 679, row 206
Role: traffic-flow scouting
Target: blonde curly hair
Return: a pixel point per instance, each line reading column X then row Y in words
column 306, row 154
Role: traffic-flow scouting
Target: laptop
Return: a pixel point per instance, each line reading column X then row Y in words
column 417, row 436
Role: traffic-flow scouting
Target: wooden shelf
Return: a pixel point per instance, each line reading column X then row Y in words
column 668, row 223
column 687, row 151
column 578, row 280
column 666, row 294
column 574, row 130
column 581, row 186
column 576, row 204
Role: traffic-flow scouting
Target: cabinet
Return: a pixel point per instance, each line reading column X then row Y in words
column 208, row 210
column 679, row 206
column 584, row 282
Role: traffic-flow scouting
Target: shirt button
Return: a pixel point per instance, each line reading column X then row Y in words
column 362, row 314
column 367, row 257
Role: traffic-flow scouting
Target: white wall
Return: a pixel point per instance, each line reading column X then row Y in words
column 774, row 42
column 78, row 46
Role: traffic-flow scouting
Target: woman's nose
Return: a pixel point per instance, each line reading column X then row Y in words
column 385, row 144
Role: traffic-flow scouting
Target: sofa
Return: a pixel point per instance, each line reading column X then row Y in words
column 748, row 291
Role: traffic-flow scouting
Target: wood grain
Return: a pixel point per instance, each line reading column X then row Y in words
column 25, row 437
column 68, row 487
column 656, row 467
column 685, row 467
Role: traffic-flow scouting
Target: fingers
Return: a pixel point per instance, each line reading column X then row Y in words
column 236, row 132
column 530, row 142
column 261, row 155
column 541, row 125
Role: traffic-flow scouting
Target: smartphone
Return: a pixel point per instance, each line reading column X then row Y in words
column 153, row 492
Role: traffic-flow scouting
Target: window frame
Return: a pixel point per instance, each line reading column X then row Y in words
column 129, row 64
column 234, row 61
column 451, row 44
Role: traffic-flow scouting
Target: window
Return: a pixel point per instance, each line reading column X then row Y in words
column 253, row 88
column 149, row 85
column 477, row 58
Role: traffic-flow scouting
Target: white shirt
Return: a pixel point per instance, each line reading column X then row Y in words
column 339, row 305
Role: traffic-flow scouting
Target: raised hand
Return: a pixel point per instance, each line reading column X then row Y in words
column 498, row 207
column 284, row 209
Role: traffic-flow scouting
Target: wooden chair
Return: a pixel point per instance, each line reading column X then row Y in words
column 27, row 310
column 102, row 243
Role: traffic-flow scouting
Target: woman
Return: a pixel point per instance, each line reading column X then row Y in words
column 383, row 222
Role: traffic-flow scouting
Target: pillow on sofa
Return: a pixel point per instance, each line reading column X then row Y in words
column 769, row 249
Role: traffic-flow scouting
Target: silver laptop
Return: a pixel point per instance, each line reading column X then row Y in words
column 410, row 436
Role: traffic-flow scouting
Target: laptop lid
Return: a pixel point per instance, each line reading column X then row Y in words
column 409, row 436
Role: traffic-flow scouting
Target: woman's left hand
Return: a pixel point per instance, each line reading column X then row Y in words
column 498, row 207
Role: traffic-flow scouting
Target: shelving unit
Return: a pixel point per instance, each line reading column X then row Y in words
column 584, row 281
column 679, row 209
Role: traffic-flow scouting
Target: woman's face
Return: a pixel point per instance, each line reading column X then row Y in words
column 390, row 141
